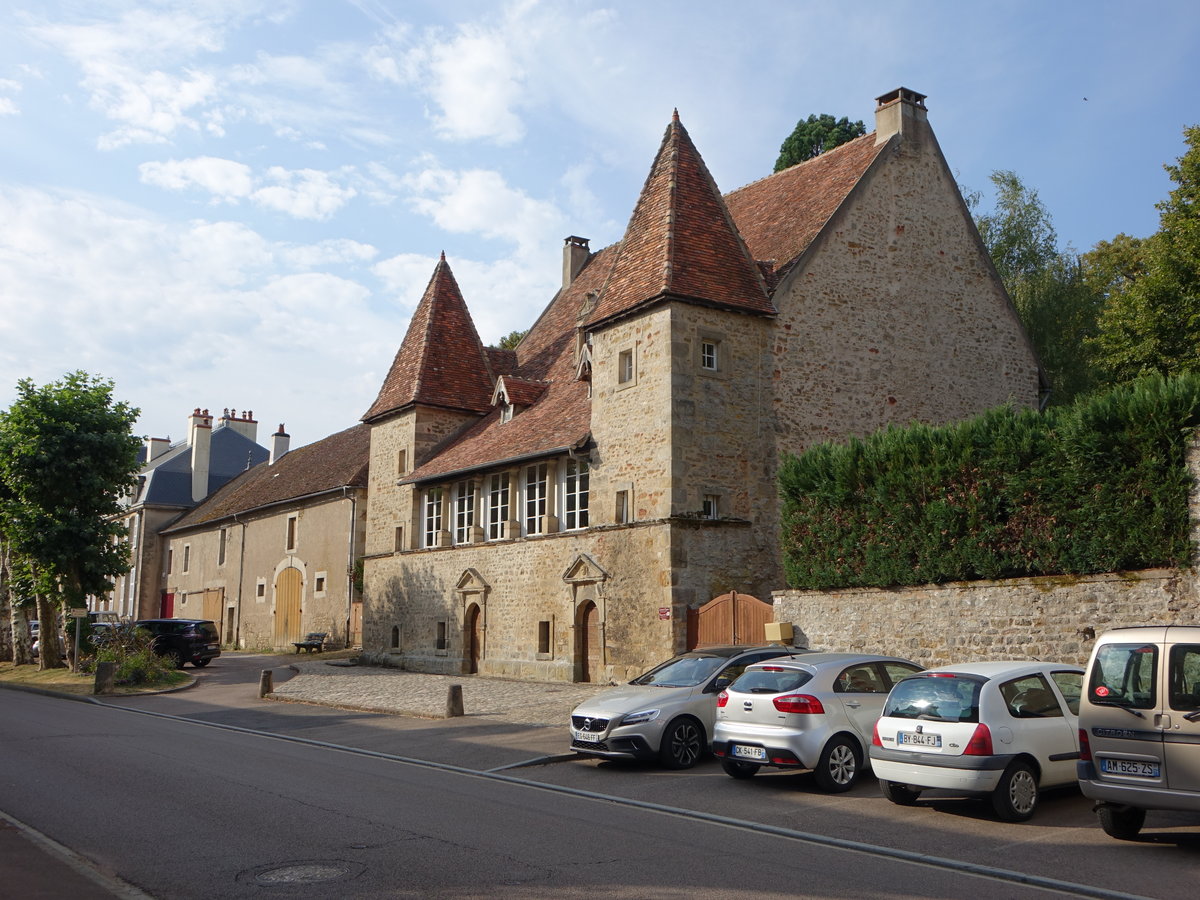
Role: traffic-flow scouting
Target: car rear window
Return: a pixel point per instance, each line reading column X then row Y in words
column 941, row 698
column 770, row 680
column 207, row 630
column 1124, row 675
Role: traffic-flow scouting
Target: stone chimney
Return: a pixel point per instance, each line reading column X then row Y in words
column 244, row 424
column 156, row 447
column 280, row 443
column 200, row 440
column 900, row 112
column 575, row 254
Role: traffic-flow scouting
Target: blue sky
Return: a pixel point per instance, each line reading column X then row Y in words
column 237, row 204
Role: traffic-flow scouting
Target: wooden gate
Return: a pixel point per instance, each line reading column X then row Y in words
column 212, row 604
column 287, row 606
column 732, row 618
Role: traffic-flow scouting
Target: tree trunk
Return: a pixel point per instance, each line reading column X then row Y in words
column 49, row 643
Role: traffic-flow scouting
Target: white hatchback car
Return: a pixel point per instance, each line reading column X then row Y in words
column 805, row 712
column 1004, row 730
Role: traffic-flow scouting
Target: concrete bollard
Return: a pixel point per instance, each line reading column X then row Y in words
column 105, row 672
column 454, row 704
column 266, row 683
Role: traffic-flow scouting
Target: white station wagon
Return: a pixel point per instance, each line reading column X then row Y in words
column 1004, row 730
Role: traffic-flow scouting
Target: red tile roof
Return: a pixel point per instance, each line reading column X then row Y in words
column 339, row 460
column 441, row 361
column 681, row 241
column 779, row 216
column 520, row 391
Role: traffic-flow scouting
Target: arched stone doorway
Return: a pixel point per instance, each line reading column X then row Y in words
column 473, row 637
column 588, row 650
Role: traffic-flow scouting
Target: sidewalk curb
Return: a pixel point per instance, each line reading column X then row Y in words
column 96, row 698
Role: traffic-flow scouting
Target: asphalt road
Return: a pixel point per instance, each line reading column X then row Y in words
column 206, row 806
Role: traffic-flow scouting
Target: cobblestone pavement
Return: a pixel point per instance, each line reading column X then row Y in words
column 378, row 689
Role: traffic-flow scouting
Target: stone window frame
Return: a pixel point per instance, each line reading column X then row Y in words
column 623, row 503
column 292, row 537
column 573, row 472
column 441, row 638
column 716, row 341
column 710, row 506
column 260, row 590
column 320, row 584
column 627, row 367
column 399, row 539
column 545, row 645
column 402, row 462
column 187, row 559
column 170, row 559
column 222, row 544
column 463, row 499
column 498, row 499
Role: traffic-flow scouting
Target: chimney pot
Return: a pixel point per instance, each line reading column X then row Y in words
column 575, row 254
column 900, row 111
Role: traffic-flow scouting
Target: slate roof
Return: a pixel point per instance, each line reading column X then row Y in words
column 339, row 460
column 169, row 482
column 684, row 242
column 441, row 361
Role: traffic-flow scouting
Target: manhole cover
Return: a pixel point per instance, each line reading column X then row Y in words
column 303, row 872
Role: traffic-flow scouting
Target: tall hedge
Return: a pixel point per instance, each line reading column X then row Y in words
column 1096, row 487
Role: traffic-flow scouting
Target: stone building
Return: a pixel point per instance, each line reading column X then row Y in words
column 270, row 556
column 555, row 513
column 174, row 478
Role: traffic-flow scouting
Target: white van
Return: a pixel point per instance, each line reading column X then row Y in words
column 1139, row 725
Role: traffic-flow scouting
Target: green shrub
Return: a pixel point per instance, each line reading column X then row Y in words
column 1095, row 487
column 130, row 649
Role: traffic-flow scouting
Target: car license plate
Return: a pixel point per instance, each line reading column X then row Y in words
column 919, row 740
column 212, row 646
column 749, row 752
column 588, row 737
column 1129, row 767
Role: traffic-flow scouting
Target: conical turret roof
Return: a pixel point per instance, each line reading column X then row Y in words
column 441, row 361
column 681, row 242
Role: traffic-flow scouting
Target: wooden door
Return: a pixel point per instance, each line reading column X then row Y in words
column 166, row 609
column 213, row 604
column 589, row 649
column 474, row 637
column 356, row 613
column 287, row 607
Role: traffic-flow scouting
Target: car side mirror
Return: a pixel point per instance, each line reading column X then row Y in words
column 720, row 684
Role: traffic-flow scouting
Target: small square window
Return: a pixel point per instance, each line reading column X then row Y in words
column 708, row 355
column 625, row 367
column 319, row 583
column 711, row 508
column 260, row 590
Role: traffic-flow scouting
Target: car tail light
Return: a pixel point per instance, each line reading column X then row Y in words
column 722, row 698
column 1085, row 746
column 980, row 743
column 770, row 668
column 875, row 741
column 798, row 703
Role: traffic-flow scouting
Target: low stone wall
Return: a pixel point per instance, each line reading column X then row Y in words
column 1051, row 618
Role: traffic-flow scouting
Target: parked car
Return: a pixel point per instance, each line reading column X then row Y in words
column 666, row 713
column 184, row 640
column 806, row 712
column 1003, row 730
column 1139, row 725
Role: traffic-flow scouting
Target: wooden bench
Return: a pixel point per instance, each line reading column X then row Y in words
column 314, row 642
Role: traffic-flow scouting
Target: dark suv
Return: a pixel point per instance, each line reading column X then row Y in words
column 184, row 640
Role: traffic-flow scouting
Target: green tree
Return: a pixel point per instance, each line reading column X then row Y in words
column 510, row 340
column 1151, row 322
column 67, row 456
column 1057, row 305
column 814, row 136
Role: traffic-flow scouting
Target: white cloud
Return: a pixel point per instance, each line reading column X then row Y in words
column 479, row 201
column 8, row 107
column 476, row 80
column 225, row 179
column 305, row 194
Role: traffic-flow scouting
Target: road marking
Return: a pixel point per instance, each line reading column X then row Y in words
column 976, row 870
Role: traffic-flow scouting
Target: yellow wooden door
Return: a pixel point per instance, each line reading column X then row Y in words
column 287, row 607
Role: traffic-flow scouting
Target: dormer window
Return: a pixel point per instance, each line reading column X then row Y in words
column 506, row 412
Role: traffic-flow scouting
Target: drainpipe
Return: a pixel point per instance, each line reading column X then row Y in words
column 350, row 567
column 237, row 628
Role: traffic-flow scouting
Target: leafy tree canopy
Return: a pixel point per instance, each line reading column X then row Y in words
column 1151, row 322
column 510, row 340
column 67, row 455
column 814, row 136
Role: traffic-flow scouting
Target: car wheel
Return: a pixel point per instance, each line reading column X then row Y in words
column 1121, row 822
column 1016, row 796
column 200, row 663
column 738, row 769
column 682, row 744
column 900, row 794
column 174, row 659
column 839, row 765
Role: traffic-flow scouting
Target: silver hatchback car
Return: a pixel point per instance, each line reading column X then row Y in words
column 815, row 711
